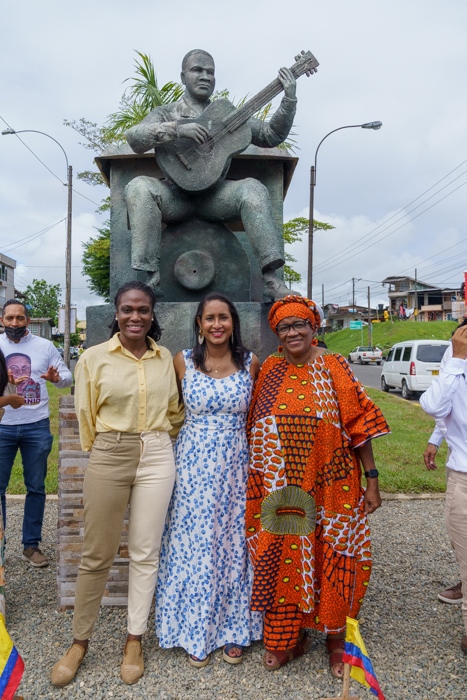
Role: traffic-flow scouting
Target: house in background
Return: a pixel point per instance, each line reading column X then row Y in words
column 7, row 279
column 42, row 327
column 432, row 302
column 338, row 317
column 81, row 329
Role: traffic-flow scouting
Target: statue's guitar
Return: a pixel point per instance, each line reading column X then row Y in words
column 196, row 167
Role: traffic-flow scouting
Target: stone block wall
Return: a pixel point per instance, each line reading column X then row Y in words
column 71, row 466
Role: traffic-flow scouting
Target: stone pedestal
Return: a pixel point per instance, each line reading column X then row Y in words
column 176, row 321
column 71, row 465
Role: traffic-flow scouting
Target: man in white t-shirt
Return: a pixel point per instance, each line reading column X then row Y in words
column 446, row 401
column 27, row 428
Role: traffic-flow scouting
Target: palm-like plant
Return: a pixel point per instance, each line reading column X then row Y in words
column 142, row 96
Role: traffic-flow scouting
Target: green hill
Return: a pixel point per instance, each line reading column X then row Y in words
column 386, row 334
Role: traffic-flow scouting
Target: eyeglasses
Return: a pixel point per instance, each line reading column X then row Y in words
column 285, row 328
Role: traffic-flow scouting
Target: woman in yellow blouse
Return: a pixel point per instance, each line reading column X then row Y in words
column 127, row 402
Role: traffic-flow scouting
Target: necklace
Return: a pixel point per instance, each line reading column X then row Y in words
column 216, row 369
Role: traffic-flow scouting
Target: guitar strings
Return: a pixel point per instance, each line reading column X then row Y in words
column 243, row 113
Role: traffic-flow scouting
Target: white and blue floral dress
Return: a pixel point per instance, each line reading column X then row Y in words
column 205, row 575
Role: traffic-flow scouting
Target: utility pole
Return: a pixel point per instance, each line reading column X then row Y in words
column 310, row 230
column 66, row 343
column 416, row 296
column 369, row 318
column 353, row 293
column 322, row 304
column 66, row 340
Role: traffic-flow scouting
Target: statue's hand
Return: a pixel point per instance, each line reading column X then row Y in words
column 288, row 82
column 193, row 131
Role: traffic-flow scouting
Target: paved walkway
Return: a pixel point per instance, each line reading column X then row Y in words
column 413, row 639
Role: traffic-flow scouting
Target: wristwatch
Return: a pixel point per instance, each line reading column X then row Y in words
column 372, row 474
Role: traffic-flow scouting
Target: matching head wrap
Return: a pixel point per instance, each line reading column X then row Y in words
column 295, row 305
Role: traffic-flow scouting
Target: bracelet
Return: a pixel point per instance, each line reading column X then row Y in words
column 372, row 474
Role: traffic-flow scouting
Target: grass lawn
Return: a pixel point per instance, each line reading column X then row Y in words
column 385, row 334
column 399, row 456
column 16, row 484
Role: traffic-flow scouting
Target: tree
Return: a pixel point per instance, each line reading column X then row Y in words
column 96, row 262
column 43, row 299
column 293, row 231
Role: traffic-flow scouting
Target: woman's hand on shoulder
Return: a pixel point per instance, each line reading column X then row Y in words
column 254, row 367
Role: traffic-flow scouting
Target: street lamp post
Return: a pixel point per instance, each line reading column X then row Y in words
column 66, row 342
column 369, row 125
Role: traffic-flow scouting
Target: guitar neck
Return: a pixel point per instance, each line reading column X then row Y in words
column 303, row 64
column 243, row 113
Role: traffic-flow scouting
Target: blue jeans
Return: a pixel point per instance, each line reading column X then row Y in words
column 34, row 441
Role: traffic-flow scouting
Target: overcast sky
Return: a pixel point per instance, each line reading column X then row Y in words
column 401, row 62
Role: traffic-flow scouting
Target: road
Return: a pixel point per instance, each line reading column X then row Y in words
column 370, row 375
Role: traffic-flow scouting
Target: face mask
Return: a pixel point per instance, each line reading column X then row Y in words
column 15, row 333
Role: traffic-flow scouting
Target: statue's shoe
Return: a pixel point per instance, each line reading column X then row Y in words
column 275, row 288
column 153, row 281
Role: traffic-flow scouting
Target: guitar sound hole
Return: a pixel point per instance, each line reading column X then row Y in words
column 206, row 147
column 194, row 272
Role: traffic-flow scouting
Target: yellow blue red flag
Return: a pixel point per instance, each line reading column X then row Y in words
column 356, row 655
column 11, row 664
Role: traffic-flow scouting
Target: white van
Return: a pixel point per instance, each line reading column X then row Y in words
column 411, row 365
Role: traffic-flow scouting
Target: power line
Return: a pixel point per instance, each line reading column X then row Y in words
column 363, row 238
column 84, row 197
column 347, row 258
column 31, row 151
column 46, row 166
column 31, row 237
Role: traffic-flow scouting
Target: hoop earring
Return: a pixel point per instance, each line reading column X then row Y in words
column 200, row 336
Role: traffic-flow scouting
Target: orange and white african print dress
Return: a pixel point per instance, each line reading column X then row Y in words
column 307, row 532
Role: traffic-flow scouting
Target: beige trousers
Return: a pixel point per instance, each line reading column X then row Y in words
column 123, row 468
column 456, row 525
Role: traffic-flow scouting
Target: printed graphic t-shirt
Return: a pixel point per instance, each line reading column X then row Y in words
column 30, row 358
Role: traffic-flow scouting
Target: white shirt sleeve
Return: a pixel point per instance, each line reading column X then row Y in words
column 66, row 377
column 437, row 400
column 437, row 436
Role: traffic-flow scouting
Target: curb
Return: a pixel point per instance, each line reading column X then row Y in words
column 22, row 496
column 399, row 398
column 412, row 496
column 384, row 495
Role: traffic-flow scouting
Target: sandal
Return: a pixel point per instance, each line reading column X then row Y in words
column 336, row 648
column 283, row 656
column 198, row 663
column 232, row 659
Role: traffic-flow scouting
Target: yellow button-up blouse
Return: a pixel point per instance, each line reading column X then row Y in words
column 116, row 391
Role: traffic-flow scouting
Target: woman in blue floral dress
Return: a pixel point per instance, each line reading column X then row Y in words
column 205, row 576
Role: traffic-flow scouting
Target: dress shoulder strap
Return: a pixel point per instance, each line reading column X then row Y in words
column 248, row 360
column 187, row 356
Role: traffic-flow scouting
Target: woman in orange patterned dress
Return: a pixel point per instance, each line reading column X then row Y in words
column 310, row 428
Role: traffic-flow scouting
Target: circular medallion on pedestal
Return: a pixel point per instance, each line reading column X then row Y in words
column 194, row 269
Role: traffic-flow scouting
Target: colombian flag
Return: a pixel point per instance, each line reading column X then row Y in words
column 11, row 664
column 355, row 655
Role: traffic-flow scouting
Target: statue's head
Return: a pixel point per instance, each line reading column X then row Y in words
column 198, row 74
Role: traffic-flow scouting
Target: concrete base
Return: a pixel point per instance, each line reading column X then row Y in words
column 70, row 530
column 176, row 321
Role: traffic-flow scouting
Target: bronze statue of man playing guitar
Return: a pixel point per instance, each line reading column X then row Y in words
column 194, row 140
